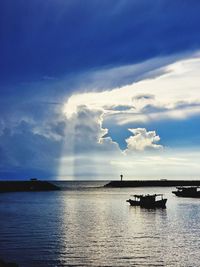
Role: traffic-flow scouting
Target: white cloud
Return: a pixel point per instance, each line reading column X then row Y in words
column 142, row 140
column 179, row 82
column 87, row 131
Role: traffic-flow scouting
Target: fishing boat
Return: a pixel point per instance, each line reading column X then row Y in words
column 191, row 191
column 148, row 201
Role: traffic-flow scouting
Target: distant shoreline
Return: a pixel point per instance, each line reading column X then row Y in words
column 153, row 183
column 26, row 186
column 39, row 185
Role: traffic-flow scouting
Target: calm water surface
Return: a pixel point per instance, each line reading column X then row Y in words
column 96, row 227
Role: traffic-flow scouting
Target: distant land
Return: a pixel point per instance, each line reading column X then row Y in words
column 31, row 185
column 38, row 185
column 153, row 183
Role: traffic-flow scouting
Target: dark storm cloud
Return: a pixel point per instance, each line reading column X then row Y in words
column 22, row 149
column 36, row 147
column 52, row 38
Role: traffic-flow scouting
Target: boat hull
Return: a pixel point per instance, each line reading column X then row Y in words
column 186, row 194
column 157, row 204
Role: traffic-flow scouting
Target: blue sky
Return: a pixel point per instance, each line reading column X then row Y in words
column 86, row 84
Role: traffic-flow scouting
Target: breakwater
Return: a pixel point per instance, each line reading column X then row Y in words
column 153, row 183
column 32, row 185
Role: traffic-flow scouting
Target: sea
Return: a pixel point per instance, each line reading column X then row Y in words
column 86, row 224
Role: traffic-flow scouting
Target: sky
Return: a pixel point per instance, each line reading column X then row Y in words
column 94, row 89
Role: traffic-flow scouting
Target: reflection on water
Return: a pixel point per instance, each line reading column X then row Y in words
column 97, row 228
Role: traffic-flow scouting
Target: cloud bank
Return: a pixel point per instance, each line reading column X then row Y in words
column 102, row 128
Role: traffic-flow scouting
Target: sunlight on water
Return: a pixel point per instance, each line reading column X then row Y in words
column 96, row 227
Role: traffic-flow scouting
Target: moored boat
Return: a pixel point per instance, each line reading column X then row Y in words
column 191, row 191
column 148, row 201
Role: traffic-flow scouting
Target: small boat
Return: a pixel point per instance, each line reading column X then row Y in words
column 148, row 201
column 191, row 191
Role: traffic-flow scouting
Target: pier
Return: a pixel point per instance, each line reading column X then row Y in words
column 152, row 183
